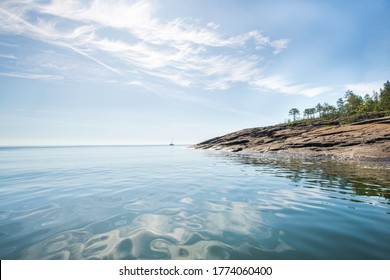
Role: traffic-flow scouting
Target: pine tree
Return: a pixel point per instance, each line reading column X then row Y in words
column 294, row 112
column 384, row 97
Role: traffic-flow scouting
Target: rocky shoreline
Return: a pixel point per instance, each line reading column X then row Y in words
column 366, row 140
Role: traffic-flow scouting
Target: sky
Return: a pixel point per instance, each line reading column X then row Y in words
column 150, row 72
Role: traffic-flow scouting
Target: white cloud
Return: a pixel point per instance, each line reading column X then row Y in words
column 180, row 51
column 31, row 76
column 138, row 17
column 279, row 45
column 47, row 32
column 8, row 56
column 281, row 84
column 364, row 88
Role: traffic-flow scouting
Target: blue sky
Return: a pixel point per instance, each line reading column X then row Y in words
column 143, row 72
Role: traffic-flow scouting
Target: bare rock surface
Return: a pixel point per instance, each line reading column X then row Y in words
column 365, row 140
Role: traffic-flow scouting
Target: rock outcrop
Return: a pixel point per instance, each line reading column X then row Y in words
column 363, row 140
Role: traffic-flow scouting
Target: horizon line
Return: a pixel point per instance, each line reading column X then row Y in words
column 86, row 145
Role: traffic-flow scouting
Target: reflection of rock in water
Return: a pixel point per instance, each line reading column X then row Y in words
column 363, row 178
column 233, row 230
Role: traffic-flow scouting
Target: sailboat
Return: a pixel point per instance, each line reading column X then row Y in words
column 171, row 144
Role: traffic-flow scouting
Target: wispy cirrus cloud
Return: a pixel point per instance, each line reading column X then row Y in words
column 129, row 40
column 282, row 84
column 7, row 56
column 31, row 76
column 364, row 88
column 15, row 20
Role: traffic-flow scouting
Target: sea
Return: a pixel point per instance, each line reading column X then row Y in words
column 174, row 202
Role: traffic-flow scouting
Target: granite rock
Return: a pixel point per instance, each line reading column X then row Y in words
column 368, row 139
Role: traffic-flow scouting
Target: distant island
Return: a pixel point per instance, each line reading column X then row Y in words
column 358, row 128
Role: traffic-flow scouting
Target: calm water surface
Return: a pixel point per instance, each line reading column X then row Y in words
column 157, row 202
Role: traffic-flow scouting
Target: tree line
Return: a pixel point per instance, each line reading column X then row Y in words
column 349, row 105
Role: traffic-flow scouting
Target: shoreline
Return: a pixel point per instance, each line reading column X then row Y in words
column 305, row 156
column 318, row 156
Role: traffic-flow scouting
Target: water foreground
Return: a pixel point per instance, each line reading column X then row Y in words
column 156, row 202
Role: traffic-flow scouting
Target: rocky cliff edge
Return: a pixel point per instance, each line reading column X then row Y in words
column 362, row 140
